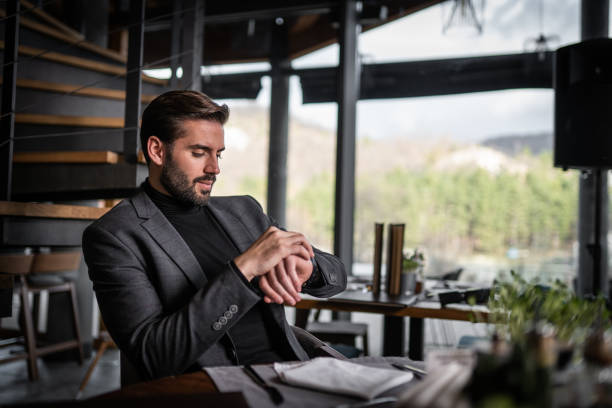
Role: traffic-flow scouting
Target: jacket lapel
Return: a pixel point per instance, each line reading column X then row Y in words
column 241, row 236
column 168, row 238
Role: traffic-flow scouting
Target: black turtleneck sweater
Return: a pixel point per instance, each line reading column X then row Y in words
column 256, row 335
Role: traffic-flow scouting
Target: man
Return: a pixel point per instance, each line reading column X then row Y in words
column 184, row 280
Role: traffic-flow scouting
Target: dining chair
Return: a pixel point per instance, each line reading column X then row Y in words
column 34, row 274
column 339, row 331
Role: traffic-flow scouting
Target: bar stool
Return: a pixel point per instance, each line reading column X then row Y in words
column 24, row 266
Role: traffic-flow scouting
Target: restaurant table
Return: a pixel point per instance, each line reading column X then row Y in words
column 394, row 310
column 237, row 390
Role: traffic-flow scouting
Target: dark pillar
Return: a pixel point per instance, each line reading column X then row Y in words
column 593, row 194
column 348, row 93
column 175, row 44
column 95, row 21
column 393, row 336
column 9, row 75
column 279, row 126
column 133, row 81
column 192, row 44
column 416, row 339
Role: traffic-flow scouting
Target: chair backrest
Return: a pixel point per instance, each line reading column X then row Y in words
column 56, row 262
column 313, row 346
column 16, row 264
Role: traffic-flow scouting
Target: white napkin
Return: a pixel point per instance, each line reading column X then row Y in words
column 341, row 377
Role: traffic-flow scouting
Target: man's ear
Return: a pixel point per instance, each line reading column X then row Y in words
column 156, row 150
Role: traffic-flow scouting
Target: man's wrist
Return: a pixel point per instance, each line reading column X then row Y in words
column 315, row 277
column 242, row 265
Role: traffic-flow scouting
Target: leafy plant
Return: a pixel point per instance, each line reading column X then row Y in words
column 516, row 306
column 413, row 262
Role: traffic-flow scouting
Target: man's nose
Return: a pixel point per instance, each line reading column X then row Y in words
column 212, row 166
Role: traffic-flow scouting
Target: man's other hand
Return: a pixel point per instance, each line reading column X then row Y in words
column 270, row 249
column 284, row 282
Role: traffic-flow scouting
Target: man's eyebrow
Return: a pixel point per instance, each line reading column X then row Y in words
column 204, row 147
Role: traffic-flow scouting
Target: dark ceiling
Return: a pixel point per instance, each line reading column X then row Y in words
column 240, row 31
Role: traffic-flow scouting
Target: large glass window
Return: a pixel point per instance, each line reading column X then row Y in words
column 470, row 175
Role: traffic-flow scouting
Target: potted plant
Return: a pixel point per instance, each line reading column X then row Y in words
column 412, row 270
column 516, row 306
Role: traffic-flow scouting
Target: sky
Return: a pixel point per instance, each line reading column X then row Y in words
column 508, row 26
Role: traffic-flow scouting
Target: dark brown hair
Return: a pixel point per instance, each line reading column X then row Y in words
column 164, row 115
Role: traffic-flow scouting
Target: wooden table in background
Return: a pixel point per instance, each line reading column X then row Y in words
column 394, row 311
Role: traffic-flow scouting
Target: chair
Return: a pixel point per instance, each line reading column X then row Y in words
column 338, row 331
column 26, row 268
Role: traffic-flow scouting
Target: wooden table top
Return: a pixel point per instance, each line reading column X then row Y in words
column 193, row 383
column 421, row 309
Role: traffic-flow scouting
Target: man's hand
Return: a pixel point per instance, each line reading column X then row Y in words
column 270, row 249
column 282, row 284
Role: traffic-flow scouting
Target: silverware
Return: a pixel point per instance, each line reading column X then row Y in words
column 382, row 401
column 272, row 391
column 407, row 367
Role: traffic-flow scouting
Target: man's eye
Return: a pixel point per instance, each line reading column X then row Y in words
column 219, row 156
column 197, row 154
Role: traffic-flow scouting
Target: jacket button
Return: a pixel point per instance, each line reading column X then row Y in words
column 217, row 326
column 233, row 309
column 228, row 314
column 222, row 320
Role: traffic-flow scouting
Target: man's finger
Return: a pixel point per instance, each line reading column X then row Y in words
column 278, row 287
column 284, row 279
column 266, row 288
column 290, row 267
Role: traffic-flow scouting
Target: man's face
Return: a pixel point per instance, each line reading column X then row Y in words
column 192, row 161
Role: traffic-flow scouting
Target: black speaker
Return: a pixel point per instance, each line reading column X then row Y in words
column 583, row 105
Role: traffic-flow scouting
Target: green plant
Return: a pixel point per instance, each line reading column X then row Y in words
column 413, row 262
column 516, row 306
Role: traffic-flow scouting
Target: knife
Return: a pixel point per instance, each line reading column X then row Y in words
column 407, row 367
column 272, row 391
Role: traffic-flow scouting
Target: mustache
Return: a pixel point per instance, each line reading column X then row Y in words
column 207, row 177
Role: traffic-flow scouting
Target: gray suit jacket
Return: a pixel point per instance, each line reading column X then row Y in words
column 163, row 312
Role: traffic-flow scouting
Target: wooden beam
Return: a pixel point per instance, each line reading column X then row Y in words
column 104, row 93
column 76, row 181
column 69, row 39
column 79, row 62
column 52, row 20
column 19, row 209
column 91, row 157
column 60, row 120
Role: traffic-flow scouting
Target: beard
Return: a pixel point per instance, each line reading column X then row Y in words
column 176, row 182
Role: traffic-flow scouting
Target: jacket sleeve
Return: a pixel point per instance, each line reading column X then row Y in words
column 159, row 342
column 329, row 275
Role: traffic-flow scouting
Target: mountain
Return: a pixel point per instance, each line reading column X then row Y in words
column 513, row 145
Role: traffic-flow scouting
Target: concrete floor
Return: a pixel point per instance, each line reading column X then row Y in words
column 59, row 380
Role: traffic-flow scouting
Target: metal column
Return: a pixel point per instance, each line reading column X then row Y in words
column 133, row 80
column 348, row 93
column 175, row 42
column 9, row 75
column 593, row 193
column 279, row 126
column 192, row 41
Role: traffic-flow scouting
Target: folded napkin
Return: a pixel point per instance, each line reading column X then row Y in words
column 341, row 377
